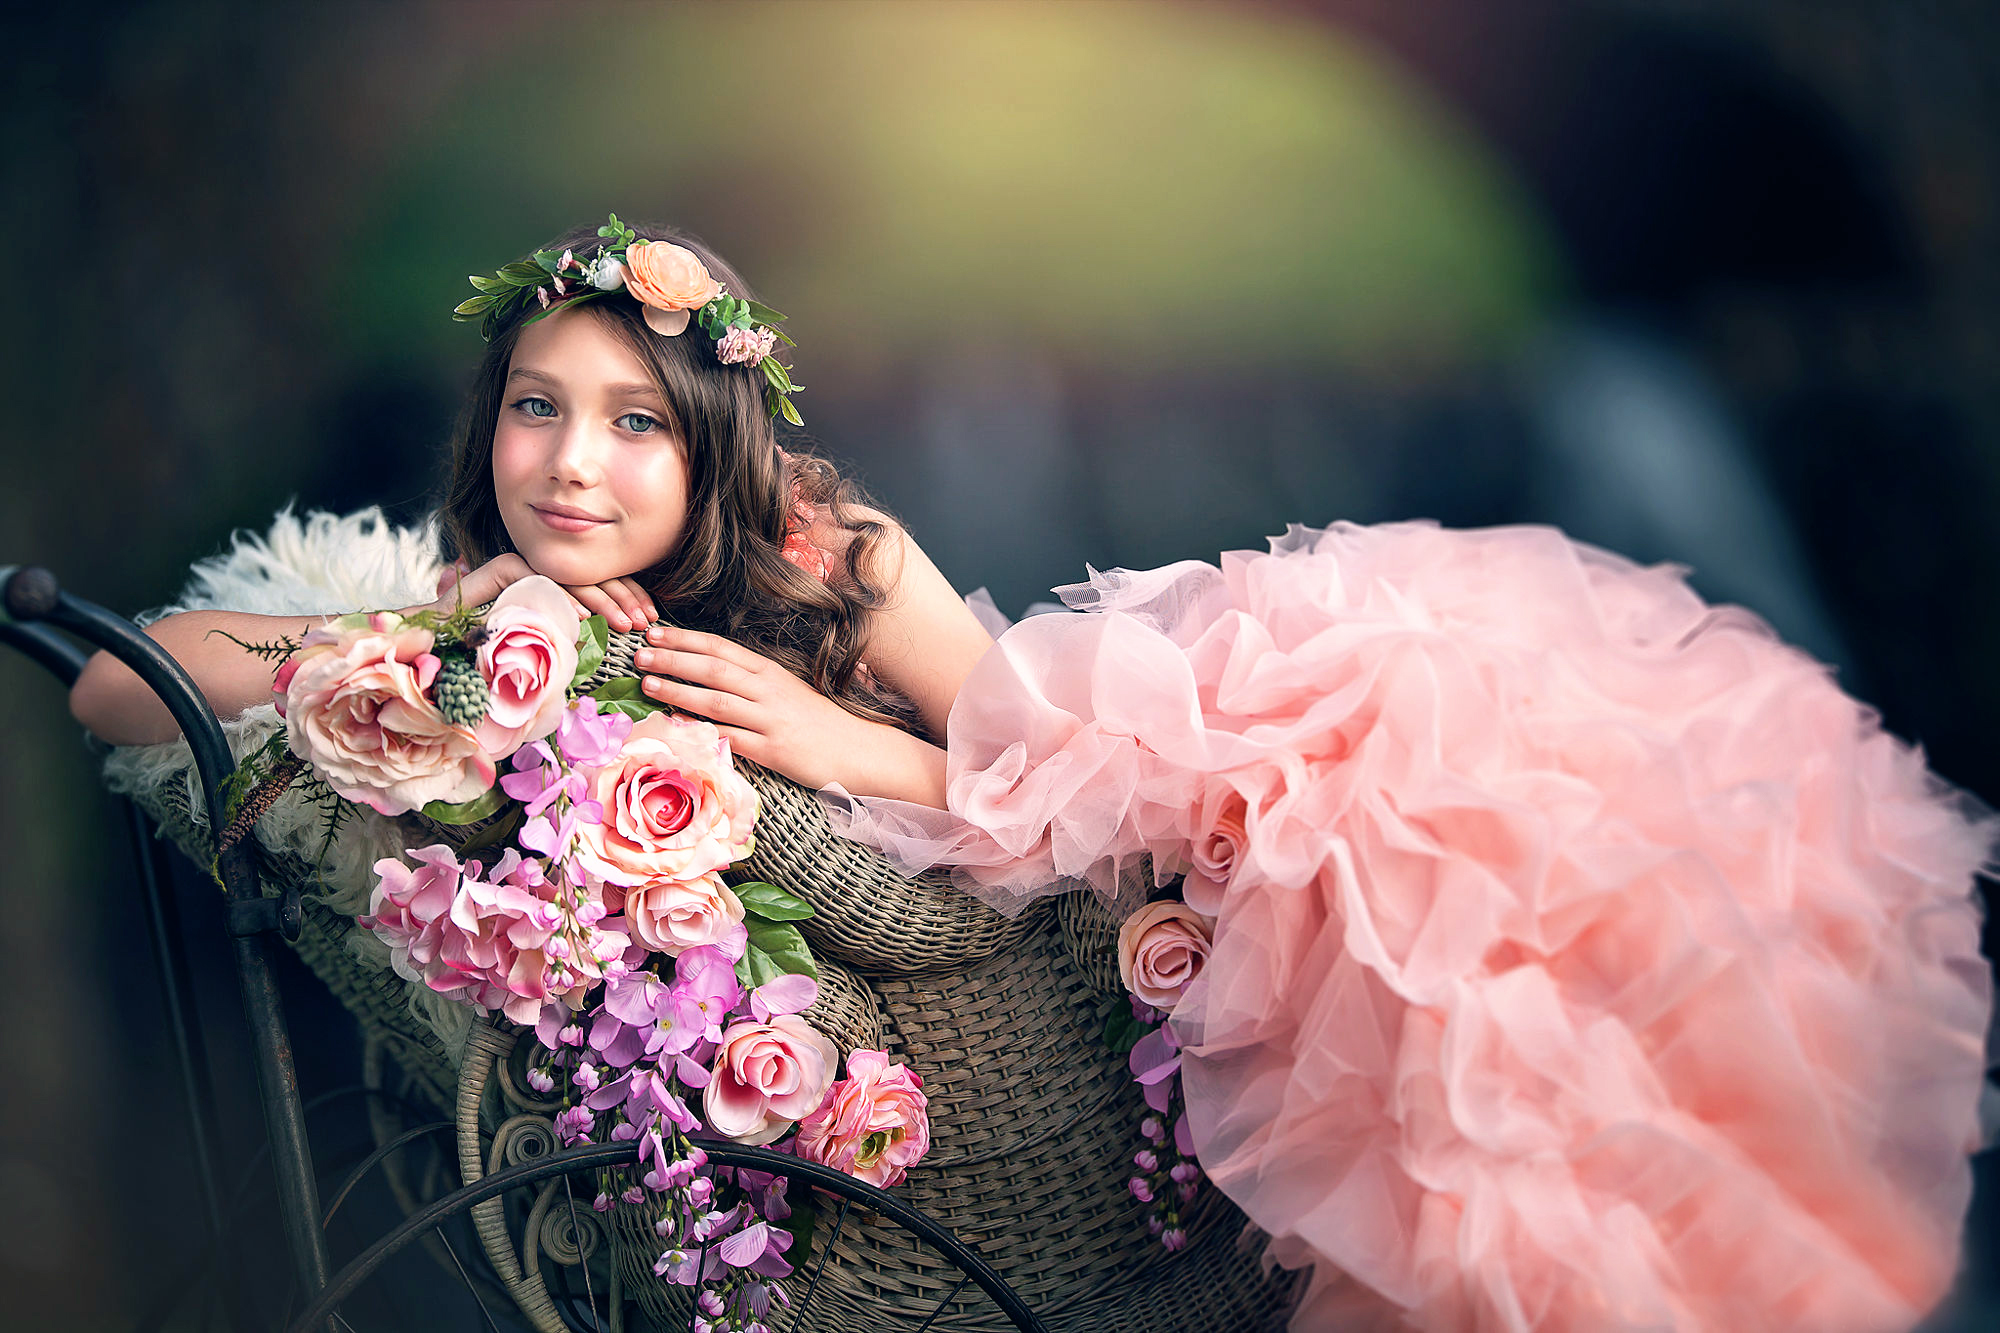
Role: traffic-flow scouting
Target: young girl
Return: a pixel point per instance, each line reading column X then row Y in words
column 1581, row 957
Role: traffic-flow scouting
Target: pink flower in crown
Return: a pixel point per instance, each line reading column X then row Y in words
column 875, row 1125
column 766, row 1077
column 669, row 281
column 357, row 707
column 527, row 657
column 745, row 347
column 674, row 806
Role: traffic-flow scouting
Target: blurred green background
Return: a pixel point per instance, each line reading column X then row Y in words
column 1116, row 283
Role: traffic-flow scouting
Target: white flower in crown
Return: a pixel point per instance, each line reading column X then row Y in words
column 605, row 273
column 745, row 347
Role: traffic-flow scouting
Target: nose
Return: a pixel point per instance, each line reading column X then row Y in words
column 575, row 454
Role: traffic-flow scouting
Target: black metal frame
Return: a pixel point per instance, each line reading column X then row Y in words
column 33, row 607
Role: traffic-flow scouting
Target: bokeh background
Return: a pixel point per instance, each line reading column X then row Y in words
column 1708, row 281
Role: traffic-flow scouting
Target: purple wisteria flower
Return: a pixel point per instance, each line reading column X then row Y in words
column 589, row 737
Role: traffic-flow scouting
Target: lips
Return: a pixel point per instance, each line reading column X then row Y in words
column 565, row 519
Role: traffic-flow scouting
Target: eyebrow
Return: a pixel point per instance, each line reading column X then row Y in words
column 616, row 390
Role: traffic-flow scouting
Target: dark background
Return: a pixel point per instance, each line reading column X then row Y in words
column 1710, row 281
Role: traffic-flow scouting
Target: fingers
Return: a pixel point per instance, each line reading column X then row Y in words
column 623, row 603
column 716, row 705
column 674, row 638
column 699, row 669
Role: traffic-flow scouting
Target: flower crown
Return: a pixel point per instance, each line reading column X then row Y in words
column 670, row 284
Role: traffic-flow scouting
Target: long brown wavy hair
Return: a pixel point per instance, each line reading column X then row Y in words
column 726, row 575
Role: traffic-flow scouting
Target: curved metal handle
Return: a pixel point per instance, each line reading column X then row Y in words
column 32, row 597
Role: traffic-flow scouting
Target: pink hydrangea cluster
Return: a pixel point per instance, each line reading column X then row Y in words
column 745, row 347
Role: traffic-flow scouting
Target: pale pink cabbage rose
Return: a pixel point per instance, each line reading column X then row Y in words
column 527, row 659
column 669, row 915
column 743, row 347
column 876, row 1125
column 1219, row 843
column 767, row 1076
column 669, row 280
column 674, row 806
column 1161, row 948
column 356, row 707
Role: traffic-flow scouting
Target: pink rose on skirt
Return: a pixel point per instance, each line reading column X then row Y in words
column 1218, row 845
column 669, row 915
column 767, row 1076
column 1161, row 948
column 527, row 659
column 674, row 806
column 875, row 1126
column 355, row 698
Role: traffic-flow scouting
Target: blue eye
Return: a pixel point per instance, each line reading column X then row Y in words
column 638, row 423
column 536, row 407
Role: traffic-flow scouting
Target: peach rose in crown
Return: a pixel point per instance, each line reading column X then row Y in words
column 1162, row 948
column 674, row 806
column 527, row 659
column 669, row 281
column 354, row 700
column 669, row 915
column 876, row 1125
column 767, row 1076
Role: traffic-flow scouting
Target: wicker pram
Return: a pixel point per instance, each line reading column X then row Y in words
column 1033, row 1119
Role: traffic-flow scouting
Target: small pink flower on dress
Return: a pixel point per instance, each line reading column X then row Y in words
column 527, row 657
column 745, row 347
column 1162, row 947
column 875, row 1126
column 669, row 281
column 669, row 915
column 766, row 1077
column 357, row 707
column 674, row 806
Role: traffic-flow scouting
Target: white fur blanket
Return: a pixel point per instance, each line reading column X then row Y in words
column 321, row 564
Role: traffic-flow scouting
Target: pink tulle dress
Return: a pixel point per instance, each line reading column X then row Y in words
column 1584, row 959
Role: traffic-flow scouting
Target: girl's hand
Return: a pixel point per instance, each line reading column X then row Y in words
column 772, row 718
column 623, row 603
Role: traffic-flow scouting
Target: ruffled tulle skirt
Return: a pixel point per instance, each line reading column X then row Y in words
column 1584, row 958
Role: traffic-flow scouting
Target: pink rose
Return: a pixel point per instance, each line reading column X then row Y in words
column 1161, row 948
column 1219, row 842
column 674, row 806
column 669, row 280
column 766, row 1077
column 744, row 347
column 669, row 915
column 876, row 1125
column 527, row 659
column 356, row 707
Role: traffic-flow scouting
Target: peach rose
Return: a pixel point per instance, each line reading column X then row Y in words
column 767, row 1076
column 527, row 658
column 355, row 708
column 876, row 1125
column 669, row 915
column 669, row 281
column 674, row 806
column 1161, row 948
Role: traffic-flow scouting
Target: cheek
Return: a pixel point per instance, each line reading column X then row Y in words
column 656, row 489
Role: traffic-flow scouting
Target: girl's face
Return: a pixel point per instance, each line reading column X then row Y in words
column 591, row 481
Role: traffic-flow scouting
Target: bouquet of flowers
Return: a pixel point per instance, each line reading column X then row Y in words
column 591, row 905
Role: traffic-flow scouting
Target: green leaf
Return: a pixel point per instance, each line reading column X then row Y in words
column 472, row 306
column 498, row 832
column 467, row 812
column 522, row 274
column 771, row 902
column 763, row 314
column 490, row 286
column 802, row 1223
column 622, row 694
column 780, row 948
column 791, row 413
column 1122, row 1031
column 546, row 260
column 591, row 638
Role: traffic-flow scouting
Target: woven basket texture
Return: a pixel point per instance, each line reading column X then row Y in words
column 1033, row 1119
